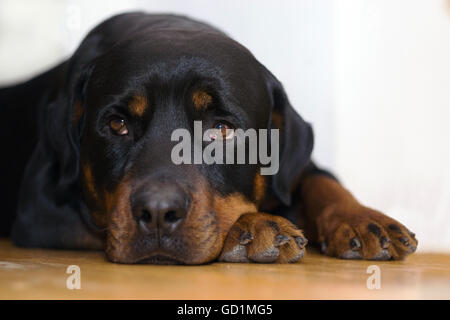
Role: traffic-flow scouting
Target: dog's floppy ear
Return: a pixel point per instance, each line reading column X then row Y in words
column 65, row 123
column 296, row 140
column 51, row 211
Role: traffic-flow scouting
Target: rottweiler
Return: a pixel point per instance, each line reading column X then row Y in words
column 87, row 157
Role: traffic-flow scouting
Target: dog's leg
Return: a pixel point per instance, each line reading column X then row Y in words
column 346, row 229
column 61, row 228
column 70, row 234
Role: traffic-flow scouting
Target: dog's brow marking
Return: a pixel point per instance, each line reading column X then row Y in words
column 138, row 105
column 201, row 100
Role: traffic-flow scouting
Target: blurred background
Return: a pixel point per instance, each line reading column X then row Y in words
column 373, row 77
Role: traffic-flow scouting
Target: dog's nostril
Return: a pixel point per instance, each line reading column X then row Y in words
column 146, row 216
column 159, row 206
column 171, row 216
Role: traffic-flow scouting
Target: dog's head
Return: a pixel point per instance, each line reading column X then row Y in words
column 126, row 104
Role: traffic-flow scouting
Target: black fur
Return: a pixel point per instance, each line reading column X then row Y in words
column 164, row 55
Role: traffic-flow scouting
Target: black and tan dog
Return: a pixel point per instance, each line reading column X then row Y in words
column 86, row 157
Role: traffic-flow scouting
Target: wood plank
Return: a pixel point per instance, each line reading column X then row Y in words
column 41, row 274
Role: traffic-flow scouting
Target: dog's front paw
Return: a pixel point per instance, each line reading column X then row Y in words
column 357, row 232
column 263, row 238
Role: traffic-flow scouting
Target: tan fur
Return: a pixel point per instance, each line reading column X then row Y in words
column 277, row 120
column 264, row 228
column 121, row 227
column 203, row 231
column 93, row 195
column 138, row 105
column 259, row 188
column 335, row 217
column 89, row 180
column 230, row 208
column 201, row 100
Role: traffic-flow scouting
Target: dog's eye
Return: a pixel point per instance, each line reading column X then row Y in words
column 118, row 126
column 223, row 130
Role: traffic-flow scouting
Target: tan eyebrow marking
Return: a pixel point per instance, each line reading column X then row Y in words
column 201, row 100
column 138, row 105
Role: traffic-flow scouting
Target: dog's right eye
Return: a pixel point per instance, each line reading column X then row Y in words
column 119, row 126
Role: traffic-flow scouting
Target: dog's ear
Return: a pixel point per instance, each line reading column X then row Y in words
column 50, row 205
column 296, row 140
column 65, row 123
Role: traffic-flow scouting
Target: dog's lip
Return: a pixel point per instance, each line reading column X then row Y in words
column 159, row 258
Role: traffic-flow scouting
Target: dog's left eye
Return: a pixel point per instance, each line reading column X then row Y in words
column 223, row 130
column 119, row 126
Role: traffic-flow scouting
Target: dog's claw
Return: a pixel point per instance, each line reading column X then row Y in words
column 384, row 242
column 404, row 241
column 301, row 241
column 280, row 240
column 355, row 244
column 245, row 238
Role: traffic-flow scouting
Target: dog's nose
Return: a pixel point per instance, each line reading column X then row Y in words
column 162, row 206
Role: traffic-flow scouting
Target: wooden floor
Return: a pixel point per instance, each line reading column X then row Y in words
column 41, row 274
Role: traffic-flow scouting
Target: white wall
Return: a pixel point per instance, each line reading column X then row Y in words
column 391, row 80
column 372, row 76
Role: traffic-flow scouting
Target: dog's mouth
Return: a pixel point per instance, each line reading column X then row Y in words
column 160, row 259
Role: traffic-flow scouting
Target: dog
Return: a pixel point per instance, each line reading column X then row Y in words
column 87, row 157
